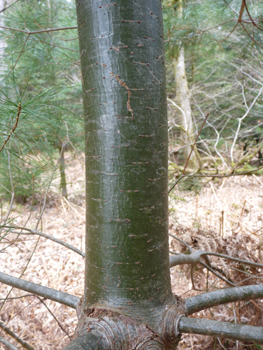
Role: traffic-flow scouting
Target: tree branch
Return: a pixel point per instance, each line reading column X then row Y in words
column 7, row 7
column 222, row 296
column 241, row 119
column 8, row 344
column 13, row 335
column 241, row 11
column 55, row 318
column 192, row 148
column 196, row 256
column 221, row 329
column 182, row 259
column 37, row 31
column 13, row 128
column 254, row 23
column 46, row 292
column 256, row 42
column 35, row 232
column 219, row 275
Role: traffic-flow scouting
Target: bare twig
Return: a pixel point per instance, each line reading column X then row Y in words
column 60, row 325
column 14, row 127
column 22, row 50
column 13, row 335
column 7, row 7
column 254, row 23
column 37, row 31
column 227, row 4
column 241, row 261
column 24, row 269
column 58, row 46
column 192, row 148
column 217, row 133
column 249, row 172
column 229, row 34
column 241, row 119
column 219, row 275
column 45, row 196
column 19, row 297
column 256, row 42
column 183, row 242
column 219, row 24
column 35, row 232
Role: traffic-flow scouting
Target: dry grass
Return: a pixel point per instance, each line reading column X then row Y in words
column 226, row 216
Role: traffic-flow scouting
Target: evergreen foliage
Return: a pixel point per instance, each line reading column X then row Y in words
column 41, row 71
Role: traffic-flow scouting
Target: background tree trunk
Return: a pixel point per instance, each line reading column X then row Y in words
column 62, row 166
column 183, row 100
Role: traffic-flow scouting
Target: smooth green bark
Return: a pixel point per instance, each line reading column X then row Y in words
column 123, row 72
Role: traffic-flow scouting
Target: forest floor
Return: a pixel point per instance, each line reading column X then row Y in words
column 225, row 215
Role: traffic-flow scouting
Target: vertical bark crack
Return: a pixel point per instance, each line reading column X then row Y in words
column 129, row 91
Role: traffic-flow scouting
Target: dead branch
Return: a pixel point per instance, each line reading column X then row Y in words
column 14, row 127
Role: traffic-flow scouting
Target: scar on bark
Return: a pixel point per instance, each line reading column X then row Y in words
column 129, row 92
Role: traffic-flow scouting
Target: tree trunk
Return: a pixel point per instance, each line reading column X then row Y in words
column 62, row 166
column 127, row 259
column 183, row 101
